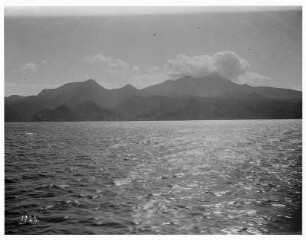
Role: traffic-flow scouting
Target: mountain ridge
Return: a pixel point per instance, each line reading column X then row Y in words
column 104, row 103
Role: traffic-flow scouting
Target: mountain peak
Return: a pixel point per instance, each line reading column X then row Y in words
column 91, row 81
column 129, row 86
column 87, row 100
column 92, row 84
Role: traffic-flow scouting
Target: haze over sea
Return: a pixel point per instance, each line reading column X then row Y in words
column 164, row 177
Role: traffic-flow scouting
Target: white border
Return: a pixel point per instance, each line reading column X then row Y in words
column 7, row 3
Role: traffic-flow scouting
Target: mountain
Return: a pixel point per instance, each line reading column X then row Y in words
column 61, row 113
column 210, row 97
column 77, row 92
column 84, row 111
column 165, row 108
column 13, row 98
column 90, row 111
column 216, row 86
column 210, row 86
column 265, row 92
column 120, row 95
column 22, row 109
column 74, row 93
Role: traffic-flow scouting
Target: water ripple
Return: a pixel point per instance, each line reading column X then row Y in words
column 193, row 177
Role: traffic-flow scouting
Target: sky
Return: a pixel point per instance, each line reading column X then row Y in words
column 46, row 47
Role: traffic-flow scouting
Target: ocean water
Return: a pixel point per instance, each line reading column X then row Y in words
column 172, row 177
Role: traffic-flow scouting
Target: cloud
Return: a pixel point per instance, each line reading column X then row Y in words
column 229, row 65
column 183, row 65
column 28, row 68
column 109, row 61
column 253, row 79
column 226, row 64
column 114, row 66
column 147, row 77
column 122, row 73
column 136, row 70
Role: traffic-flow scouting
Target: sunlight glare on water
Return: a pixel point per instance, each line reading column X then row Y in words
column 176, row 177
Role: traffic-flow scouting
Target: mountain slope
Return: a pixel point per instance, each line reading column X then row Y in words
column 90, row 111
column 77, row 92
column 120, row 95
column 264, row 92
column 90, row 101
column 85, row 111
column 192, row 108
column 61, row 113
column 210, row 86
column 74, row 93
column 216, row 86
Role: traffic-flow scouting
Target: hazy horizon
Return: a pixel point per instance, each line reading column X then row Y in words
column 46, row 47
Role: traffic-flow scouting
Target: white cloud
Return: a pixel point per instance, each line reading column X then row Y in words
column 226, row 64
column 123, row 73
column 253, row 79
column 153, row 70
column 114, row 66
column 147, row 77
column 229, row 65
column 183, row 65
column 28, row 68
column 136, row 70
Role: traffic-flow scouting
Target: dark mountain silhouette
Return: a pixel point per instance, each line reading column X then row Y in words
column 216, row 86
column 61, row 113
column 23, row 108
column 85, row 111
column 211, row 97
column 78, row 92
column 74, row 93
column 210, row 86
column 165, row 108
column 13, row 98
column 88, row 110
column 265, row 92
column 120, row 95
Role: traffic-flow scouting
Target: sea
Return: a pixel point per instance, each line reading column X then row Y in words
column 159, row 177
